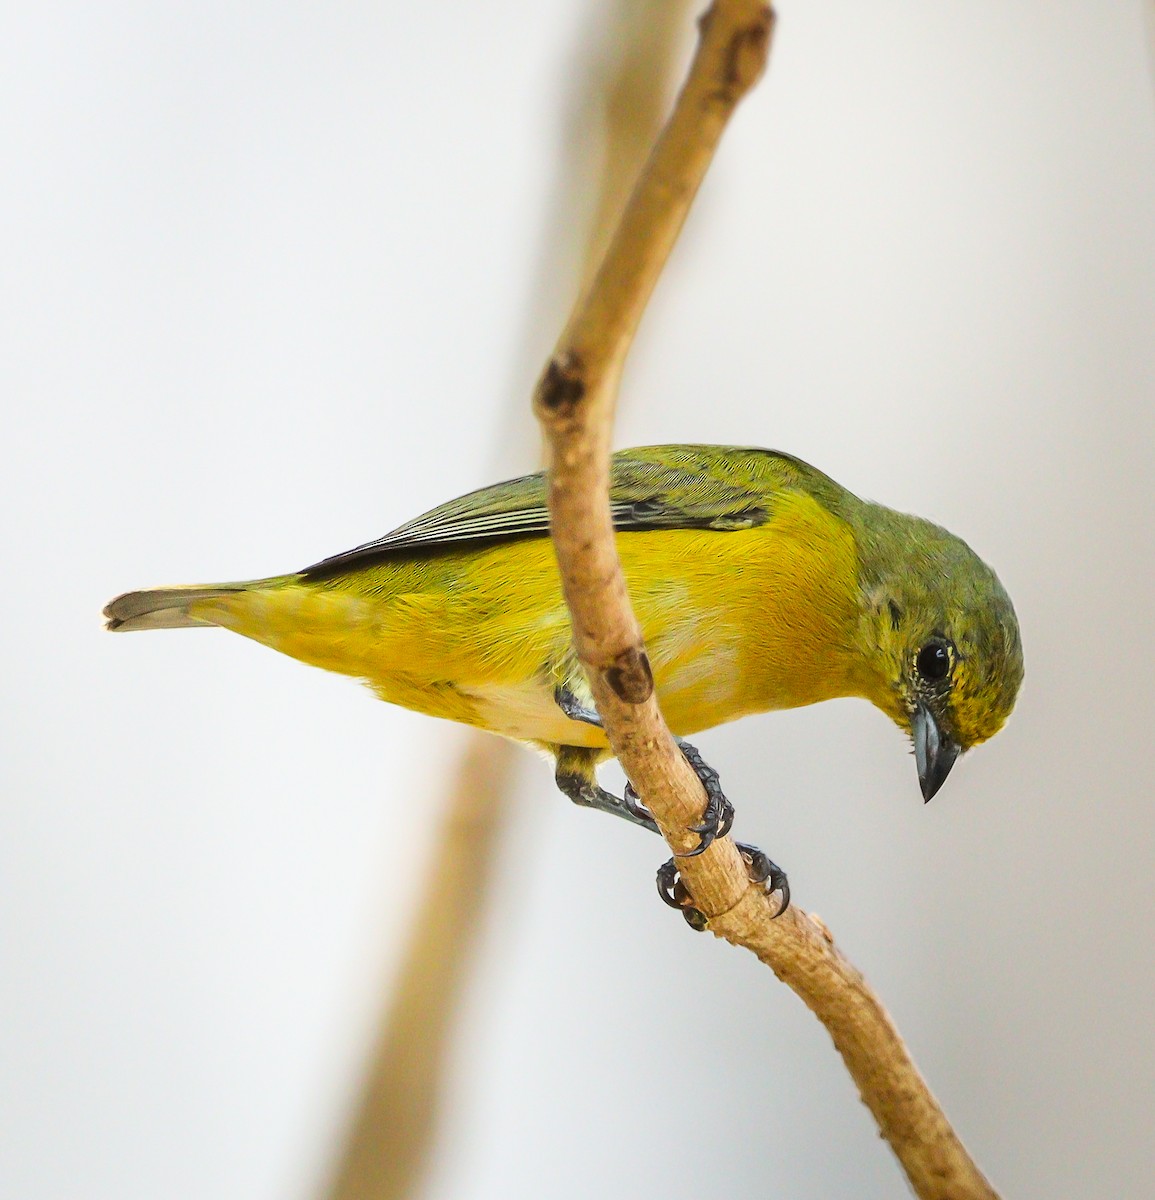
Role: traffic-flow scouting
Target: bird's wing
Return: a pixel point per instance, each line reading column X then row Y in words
column 656, row 487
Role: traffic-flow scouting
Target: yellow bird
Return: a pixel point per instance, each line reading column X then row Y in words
column 758, row 581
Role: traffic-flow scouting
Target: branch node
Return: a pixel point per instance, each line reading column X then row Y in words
column 744, row 57
column 562, row 387
column 630, row 678
column 747, row 53
column 751, row 905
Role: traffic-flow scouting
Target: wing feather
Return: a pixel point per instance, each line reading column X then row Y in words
column 656, row 487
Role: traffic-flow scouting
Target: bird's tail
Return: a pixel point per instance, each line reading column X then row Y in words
column 165, row 608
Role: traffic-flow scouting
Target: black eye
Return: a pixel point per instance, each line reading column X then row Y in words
column 933, row 662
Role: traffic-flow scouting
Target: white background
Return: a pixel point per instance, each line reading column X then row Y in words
column 272, row 284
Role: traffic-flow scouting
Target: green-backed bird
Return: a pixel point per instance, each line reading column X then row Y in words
column 758, row 581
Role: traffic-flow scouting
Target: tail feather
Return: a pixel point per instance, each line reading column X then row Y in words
column 164, row 608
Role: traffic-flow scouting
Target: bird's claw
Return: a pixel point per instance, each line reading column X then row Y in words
column 673, row 892
column 760, row 869
column 670, row 886
column 718, row 817
column 635, row 809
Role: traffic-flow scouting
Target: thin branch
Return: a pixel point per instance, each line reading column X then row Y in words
column 575, row 403
column 392, row 1132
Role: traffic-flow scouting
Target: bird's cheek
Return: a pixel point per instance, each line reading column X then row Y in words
column 898, row 706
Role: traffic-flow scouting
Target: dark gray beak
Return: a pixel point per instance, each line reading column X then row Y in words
column 934, row 752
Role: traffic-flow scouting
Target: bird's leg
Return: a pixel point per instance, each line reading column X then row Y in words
column 575, row 775
column 716, row 820
column 759, row 868
column 576, row 772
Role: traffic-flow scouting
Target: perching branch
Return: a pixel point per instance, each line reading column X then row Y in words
column 575, row 402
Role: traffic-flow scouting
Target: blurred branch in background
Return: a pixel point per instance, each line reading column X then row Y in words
column 628, row 92
column 392, row 1131
column 626, row 79
column 575, row 403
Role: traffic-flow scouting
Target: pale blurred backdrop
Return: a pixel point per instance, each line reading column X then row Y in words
column 272, row 283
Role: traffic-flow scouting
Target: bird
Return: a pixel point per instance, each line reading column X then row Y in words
column 758, row 581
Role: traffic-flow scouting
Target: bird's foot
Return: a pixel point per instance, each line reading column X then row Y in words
column 719, row 814
column 760, row 869
column 574, row 777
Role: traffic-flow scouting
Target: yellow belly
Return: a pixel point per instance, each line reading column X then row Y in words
column 734, row 623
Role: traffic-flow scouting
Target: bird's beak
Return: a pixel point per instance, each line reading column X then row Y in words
column 934, row 752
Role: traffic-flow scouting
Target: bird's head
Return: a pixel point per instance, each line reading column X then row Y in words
column 945, row 642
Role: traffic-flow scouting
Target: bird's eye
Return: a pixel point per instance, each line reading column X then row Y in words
column 933, row 662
